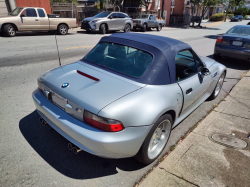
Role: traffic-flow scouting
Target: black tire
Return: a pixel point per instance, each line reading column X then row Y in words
column 217, row 57
column 103, row 29
column 62, row 29
column 9, row 30
column 159, row 27
column 215, row 94
column 143, row 156
column 144, row 27
column 127, row 28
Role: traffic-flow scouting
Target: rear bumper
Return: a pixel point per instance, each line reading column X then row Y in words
column 125, row 143
column 228, row 51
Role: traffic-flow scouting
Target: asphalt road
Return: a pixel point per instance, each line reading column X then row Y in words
column 34, row 155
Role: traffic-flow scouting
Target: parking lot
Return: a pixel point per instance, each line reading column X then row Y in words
column 35, row 155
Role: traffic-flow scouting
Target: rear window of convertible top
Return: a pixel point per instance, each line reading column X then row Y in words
column 123, row 59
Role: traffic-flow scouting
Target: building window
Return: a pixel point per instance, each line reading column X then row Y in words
column 218, row 10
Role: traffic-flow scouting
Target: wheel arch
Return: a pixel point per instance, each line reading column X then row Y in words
column 62, row 24
column 106, row 24
column 14, row 25
column 172, row 113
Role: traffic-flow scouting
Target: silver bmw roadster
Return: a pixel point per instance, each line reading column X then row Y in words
column 124, row 97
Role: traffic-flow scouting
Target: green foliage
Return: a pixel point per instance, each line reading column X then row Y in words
column 241, row 11
column 245, row 17
column 230, row 11
column 229, row 16
column 217, row 17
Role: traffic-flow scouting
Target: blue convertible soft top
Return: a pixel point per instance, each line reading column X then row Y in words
column 162, row 68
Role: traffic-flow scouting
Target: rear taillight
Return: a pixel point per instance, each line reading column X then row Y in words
column 104, row 124
column 132, row 20
column 76, row 22
column 219, row 39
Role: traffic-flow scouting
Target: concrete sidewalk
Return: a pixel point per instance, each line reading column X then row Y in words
column 199, row 161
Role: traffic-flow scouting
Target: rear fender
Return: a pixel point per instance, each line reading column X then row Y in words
column 144, row 106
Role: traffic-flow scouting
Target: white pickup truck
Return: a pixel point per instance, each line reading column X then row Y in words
column 34, row 19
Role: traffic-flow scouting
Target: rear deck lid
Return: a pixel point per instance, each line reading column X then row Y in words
column 86, row 86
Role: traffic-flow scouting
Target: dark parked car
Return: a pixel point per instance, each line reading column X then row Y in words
column 196, row 19
column 235, row 43
column 237, row 18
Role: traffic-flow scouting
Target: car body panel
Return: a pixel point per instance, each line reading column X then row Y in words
column 150, row 21
column 115, row 23
column 227, row 47
column 89, row 94
column 125, row 143
column 137, row 106
column 36, row 23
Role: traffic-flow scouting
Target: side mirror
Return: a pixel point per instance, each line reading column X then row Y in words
column 205, row 72
column 22, row 15
column 110, row 17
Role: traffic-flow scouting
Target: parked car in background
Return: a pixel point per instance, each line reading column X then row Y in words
column 34, row 19
column 248, row 18
column 108, row 21
column 127, row 94
column 196, row 19
column 148, row 21
column 237, row 18
column 235, row 43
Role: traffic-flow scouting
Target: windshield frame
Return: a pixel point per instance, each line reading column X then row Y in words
column 16, row 9
column 118, row 72
column 102, row 16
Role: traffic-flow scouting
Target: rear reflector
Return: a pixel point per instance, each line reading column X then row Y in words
column 220, row 39
column 104, row 124
column 86, row 75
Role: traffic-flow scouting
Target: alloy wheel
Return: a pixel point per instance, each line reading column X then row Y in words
column 159, row 139
column 11, row 30
column 219, row 85
column 63, row 30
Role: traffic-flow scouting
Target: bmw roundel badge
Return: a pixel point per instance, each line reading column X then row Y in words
column 65, row 85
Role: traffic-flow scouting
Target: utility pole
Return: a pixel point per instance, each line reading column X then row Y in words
column 162, row 8
column 72, row 9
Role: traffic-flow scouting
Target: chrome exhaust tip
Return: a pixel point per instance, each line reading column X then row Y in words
column 70, row 146
column 76, row 150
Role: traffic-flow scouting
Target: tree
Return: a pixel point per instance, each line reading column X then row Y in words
column 233, row 3
column 206, row 4
column 195, row 7
column 146, row 4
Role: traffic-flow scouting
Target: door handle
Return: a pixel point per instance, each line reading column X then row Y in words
column 189, row 91
column 36, row 19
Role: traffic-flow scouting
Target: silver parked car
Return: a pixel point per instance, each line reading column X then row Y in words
column 147, row 21
column 127, row 94
column 108, row 21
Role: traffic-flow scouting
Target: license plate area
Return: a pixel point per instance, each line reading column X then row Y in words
column 237, row 43
column 59, row 100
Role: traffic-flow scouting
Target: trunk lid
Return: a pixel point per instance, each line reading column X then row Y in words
column 236, row 41
column 83, row 91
